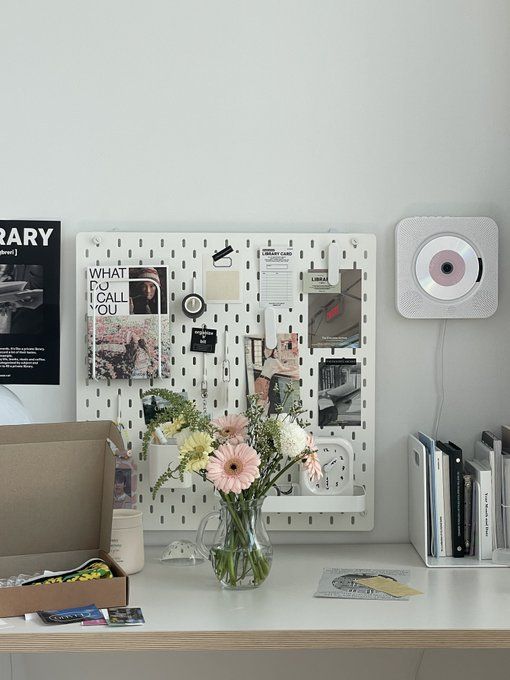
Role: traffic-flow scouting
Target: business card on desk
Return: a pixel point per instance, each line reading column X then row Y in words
column 125, row 616
column 97, row 622
column 74, row 615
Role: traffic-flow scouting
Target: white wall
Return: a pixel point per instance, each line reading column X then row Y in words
column 288, row 114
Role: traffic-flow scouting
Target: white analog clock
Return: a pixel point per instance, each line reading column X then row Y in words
column 336, row 458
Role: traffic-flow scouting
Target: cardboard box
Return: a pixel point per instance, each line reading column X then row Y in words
column 56, row 507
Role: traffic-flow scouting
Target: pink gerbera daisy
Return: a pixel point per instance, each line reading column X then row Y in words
column 231, row 428
column 311, row 461
column 233, row 468
column 312, row 466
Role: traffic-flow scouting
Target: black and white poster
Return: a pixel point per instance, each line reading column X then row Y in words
column 29, row 302
column 339, row 398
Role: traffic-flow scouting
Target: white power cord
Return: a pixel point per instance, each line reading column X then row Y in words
column 440, row 376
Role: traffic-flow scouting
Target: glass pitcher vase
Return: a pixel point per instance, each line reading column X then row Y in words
column 241, row 553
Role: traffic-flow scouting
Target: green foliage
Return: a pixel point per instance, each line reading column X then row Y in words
column 263, row 434
column 178, row 407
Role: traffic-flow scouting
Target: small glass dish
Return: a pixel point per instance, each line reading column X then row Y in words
column 182, row 554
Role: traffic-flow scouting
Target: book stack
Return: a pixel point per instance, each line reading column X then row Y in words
column 468, row 498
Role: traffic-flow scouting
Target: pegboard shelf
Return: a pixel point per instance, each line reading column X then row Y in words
column 183, row 508
column 349, row 504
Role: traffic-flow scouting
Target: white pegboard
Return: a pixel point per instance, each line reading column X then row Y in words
column 183, row 508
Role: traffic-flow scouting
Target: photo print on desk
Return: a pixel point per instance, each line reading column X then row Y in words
column 29, row 303
column 339, row 398
column 343, row 584
column 273, row 374
column 334, row 312
column 129, row 318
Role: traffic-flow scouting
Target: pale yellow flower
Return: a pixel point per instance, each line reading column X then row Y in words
column 171, row 428
column 195, row 451
column 197, row 462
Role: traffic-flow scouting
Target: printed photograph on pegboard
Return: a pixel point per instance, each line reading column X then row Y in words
column 339, row 398
column 124, row 303
column 334, row 312
column 273, row 374
column 128, row 348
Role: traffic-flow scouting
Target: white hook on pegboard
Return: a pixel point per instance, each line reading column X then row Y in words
column 333, row 264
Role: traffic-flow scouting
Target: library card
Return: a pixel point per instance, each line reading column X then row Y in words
column 277, row 277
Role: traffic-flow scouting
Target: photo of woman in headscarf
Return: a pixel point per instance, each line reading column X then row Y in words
column 144, row 294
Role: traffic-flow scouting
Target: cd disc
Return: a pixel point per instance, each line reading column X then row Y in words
column 447, row 267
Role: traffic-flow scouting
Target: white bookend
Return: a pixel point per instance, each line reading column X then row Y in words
column 434, row 484
column 482, row 474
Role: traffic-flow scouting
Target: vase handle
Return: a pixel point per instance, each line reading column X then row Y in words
column 201, row 546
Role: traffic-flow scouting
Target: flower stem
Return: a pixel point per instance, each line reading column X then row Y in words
column 240, row 553
column 273, row 481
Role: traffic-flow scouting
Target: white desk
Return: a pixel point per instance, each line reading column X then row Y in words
column 185, row 609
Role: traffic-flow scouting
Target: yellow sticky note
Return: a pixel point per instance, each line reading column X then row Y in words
column 388, row 586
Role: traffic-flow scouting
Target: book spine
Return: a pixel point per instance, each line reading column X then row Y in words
column 506, row 498
column 474, row 548
column 438, row 492
column 447, row 505
column 501, row 502
column 457, row 503
column 431, row 507
column 484, row 516
column 493, row 445
column 468, row 500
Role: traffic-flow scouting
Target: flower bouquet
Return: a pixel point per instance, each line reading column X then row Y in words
column 242, row 455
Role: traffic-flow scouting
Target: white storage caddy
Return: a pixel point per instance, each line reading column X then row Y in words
column 418, row 513
column 182, row 508
column 160, row 456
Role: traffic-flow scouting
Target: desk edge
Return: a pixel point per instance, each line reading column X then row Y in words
column 273, row 640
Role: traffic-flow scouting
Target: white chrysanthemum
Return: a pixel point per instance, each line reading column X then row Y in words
column 292, row 439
